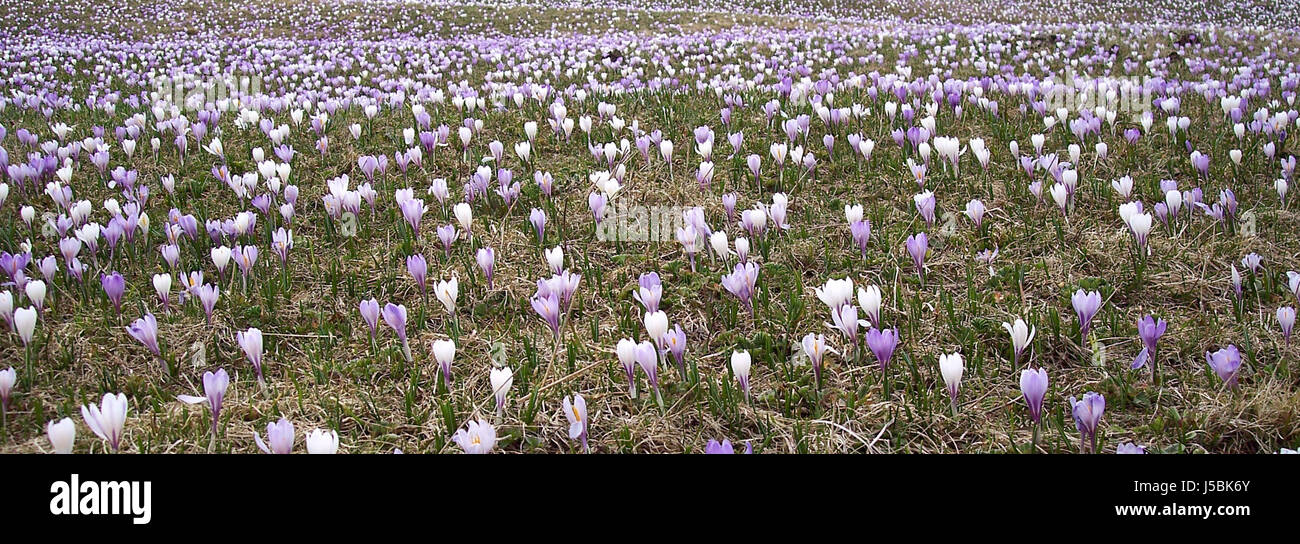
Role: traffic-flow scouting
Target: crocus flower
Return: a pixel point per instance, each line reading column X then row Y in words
column 576, row 412
column 477, row 437
column 62, row 435
column 114, row 287
column 208, row 295
column 108, row 419
column 395, row 317
column 448, row 291
column 649, row 291
column 1033, row 385
column 674, row 342
column 882, row 344
column 861, row 231
column 1021, row 336
column 322, row 442
column 716, row 448
column 214, row 393
column 1087, row 415
column 648, row 359
column 1286, row 320
column 7, row 379
column 917, row 246
column 538, row 218
column 951, row 368
column 418, row 267
column 444, row 352
column 251, row 342
column 370, row 314
column 486, row 259
column 547, row 307
column 1149, row 330
column 741, row 283
column 626, row 352
column 145, row 331
column 280, row 436
column 1086, row 305
column 814, row 346
column 869, row 299
column 1225, row 362
column 740, row 365
column 501, row 379
column 1129, row 448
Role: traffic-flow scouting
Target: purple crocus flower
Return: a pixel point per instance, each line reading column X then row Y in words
column 882, row 344
column 861, row 230
column 647, row 357
column 486, row 258
column 547, row 307
column 395, row 317
column 447, row 235
column 741, row 283
column 1225, row 362
column 674, row 341
column 145, row 331
column 1033, row 385
column 370, row 314
column 1087, row 414
column 114, row 287
column 917, row 246
column 538, row 218
column 208, row 295
column 1286, row 320
column 1149, row 330
column 725, row 448
column 1086, row 305
column 279, row 434
column 214, row 391
column 596, row 203
column 649, row 291
column 1129, row 448
column 251, row 342
column 418, row 267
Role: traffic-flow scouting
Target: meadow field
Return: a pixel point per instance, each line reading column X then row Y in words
column 805, row 226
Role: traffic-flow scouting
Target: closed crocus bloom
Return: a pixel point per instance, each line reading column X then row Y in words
column 1033, row 386
column 1129, row 448
column 444, row 352
column 1087, row 414
column 35, row 291
column 7, row 308
column 554, row 259
column 145, row 331
column 1021, row 336
column 322, row 442
column 1086, row 305
column 740, row 365
column 221, row 258
column 478, row 437
column 1286, row 320
column 395, row 317
column 162, row 284
column 576, row 412
column 718, row 242
column 214, row 391
column 836, row 293
column 501, row 379
column 656, row 324
column 869, row 299
column 951, row 367
column 62, row 435
column 975, row 211
column 8, row 378
column 464, row 216
column 279, row 435
column 108, row 419
column 627, row 357
column 448, row 292
column 814, row 346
